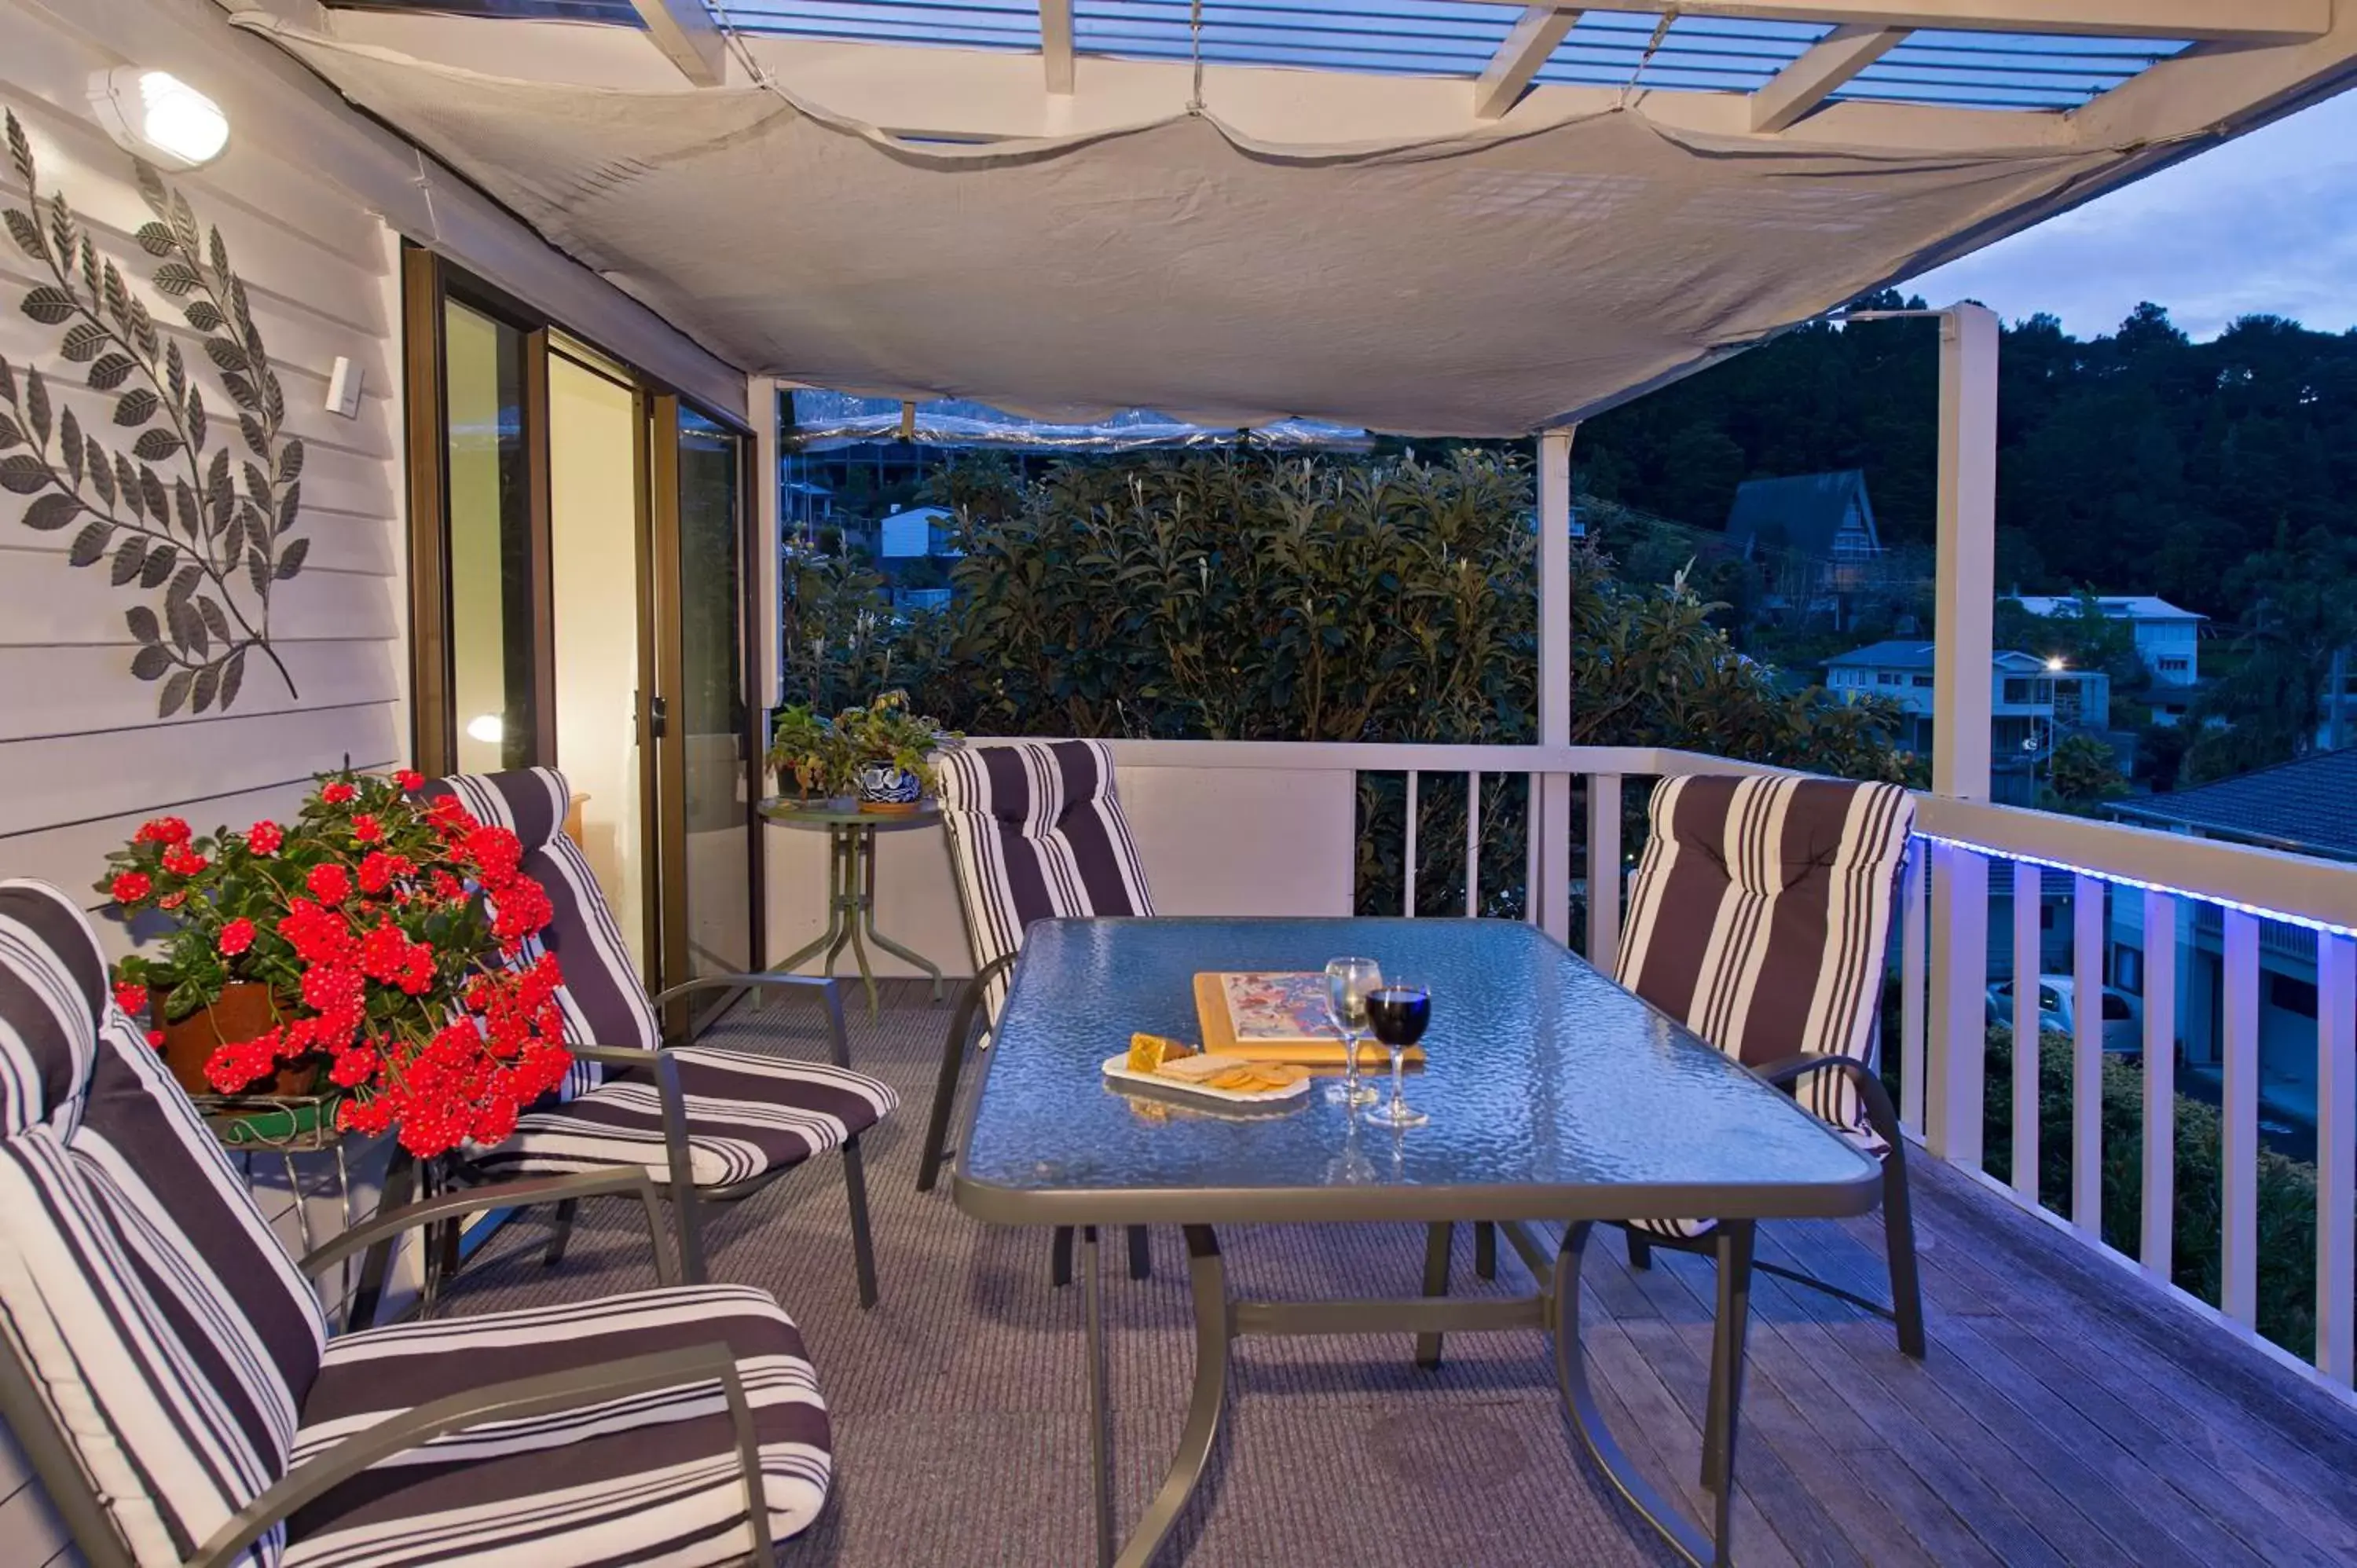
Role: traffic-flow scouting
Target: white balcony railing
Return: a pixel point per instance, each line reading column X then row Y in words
column 1274, row 827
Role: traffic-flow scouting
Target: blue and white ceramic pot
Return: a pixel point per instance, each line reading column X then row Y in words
column 888, row 790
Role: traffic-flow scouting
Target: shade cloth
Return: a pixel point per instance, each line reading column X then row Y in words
column 1485, row 283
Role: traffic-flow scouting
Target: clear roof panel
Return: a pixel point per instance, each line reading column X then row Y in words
column 1440, row 38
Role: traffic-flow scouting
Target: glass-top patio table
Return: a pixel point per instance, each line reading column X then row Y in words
column 1556, row 1097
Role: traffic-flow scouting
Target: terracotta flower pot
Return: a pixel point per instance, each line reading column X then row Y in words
column 244, row 1011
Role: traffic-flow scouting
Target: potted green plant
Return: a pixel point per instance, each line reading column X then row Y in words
column 812, row 760
column 892, row 749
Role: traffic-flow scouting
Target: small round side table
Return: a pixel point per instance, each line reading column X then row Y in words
column 851, row 884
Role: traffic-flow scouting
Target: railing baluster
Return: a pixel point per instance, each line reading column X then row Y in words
column 1953, row 1079
column 2336, row 1156
column 2238, row 1294
column 2159, row 1082
column 1472, row 844
column 1531, row 848
column 2027, row 965
column 1912, row 979
column 1408, row 859
column 1604, row 870
column 2087, row 1056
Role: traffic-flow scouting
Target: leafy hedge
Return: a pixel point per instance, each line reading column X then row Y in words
column 1243, row 596
column 2287, row 1239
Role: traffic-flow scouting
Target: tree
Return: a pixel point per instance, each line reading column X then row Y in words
column 2083, row 770
column 2269, row 706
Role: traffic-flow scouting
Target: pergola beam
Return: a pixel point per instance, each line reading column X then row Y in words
column 2245, row 21
column 688, row 36
column 1056, row 43
column 1526, row 47
column 1818, row 74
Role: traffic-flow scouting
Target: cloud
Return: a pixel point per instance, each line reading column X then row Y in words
column 2266, row 224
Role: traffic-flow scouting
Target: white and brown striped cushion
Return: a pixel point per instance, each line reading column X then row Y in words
column 747, row 1113
column 1759, row 917
column 653, row 1477
column 170, row 1336
column 1036, row 832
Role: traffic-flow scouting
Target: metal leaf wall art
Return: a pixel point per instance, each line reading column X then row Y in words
column 203, row 534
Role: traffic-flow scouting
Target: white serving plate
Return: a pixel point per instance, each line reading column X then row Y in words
column 1118, row 1067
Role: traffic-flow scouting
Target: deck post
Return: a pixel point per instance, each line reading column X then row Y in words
column 1965, row 612
column 1550, row 813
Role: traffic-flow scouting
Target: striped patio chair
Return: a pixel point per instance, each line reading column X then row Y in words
column 1036, row 833
column 168, row 1370
column 1760, row 919
column 713, row 1125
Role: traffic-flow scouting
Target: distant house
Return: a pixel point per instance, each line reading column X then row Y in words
column 1812, row 537
column 2168, row 640
column 908, row 532
column 2030, row 705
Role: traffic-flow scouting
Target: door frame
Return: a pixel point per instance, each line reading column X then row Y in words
column 428, row 280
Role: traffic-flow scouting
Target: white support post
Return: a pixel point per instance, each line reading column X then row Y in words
column 1913, row 981
column 769, row 537
column 1056, row 43
column 1526, row 47
column 1472, row 844
column 1604, row 871
column 2336, row 1156
column 2028, row 881
column 2087, row 1056
column 1531, row 848
column 1964, row 603
column 2238, row 1294
column 2155, row 1247
column 1407, row 857
column 1551, row 807
column 1953, row 1086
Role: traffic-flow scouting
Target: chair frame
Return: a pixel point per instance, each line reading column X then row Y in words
column 683, row 1191
column 52, row 1456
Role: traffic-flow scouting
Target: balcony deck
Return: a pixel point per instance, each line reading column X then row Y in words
column 2062, row 1417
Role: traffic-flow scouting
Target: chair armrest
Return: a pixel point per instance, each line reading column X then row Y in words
column 675, row 1148
column 827, row 990
column 519, row 1400
column 503, row 1195
column 1880, row 1114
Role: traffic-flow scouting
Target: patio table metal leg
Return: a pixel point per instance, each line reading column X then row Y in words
column 1210, row 1283
column 829, row 941
column 1438, row 1236
column 1727, row 1332
column 1587, row 1416
column 1485, row 1249
column 1100, row 1433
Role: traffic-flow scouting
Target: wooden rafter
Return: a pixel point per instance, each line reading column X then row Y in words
column 1526, row 47
column 1055, row 43
column 2236, row 21
column 688, row 36
column 1817, row 75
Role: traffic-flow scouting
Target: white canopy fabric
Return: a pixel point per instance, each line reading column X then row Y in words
column 1482, row 284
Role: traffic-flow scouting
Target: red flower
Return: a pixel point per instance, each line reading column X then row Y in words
column 163, row 830
column 181, row 861
column 495, row 854
column 333, row 991
column 131, row 997
column 317, row 935
column 236, row 937
column 155, row 1039
column 328, row 882
column 409, row 779
column 366, row 829
column 337, row 793
column 379, row 870
column 354, row 1067
column 173, row 900
column 234, row 1066
column 130, row 886
column 264, row 838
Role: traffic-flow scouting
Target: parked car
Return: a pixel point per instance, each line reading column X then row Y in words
column 2058, row 1012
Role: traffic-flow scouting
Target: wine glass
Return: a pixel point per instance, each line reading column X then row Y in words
column 1348, row 982
column 1399, row 1012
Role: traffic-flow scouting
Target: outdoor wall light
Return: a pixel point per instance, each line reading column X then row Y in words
column 157, row 115
column 486, row 728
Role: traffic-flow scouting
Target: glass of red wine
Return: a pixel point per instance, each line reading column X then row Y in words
column 1398, row 1012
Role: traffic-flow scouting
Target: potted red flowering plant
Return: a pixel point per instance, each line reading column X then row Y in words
column 377, row 942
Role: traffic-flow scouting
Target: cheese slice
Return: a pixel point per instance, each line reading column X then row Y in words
column 1148, row 1053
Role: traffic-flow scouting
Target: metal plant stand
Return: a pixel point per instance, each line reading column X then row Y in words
column 286, row 1125
column 851, row 886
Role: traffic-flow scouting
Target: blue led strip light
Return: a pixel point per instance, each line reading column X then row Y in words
column 2117, row 879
